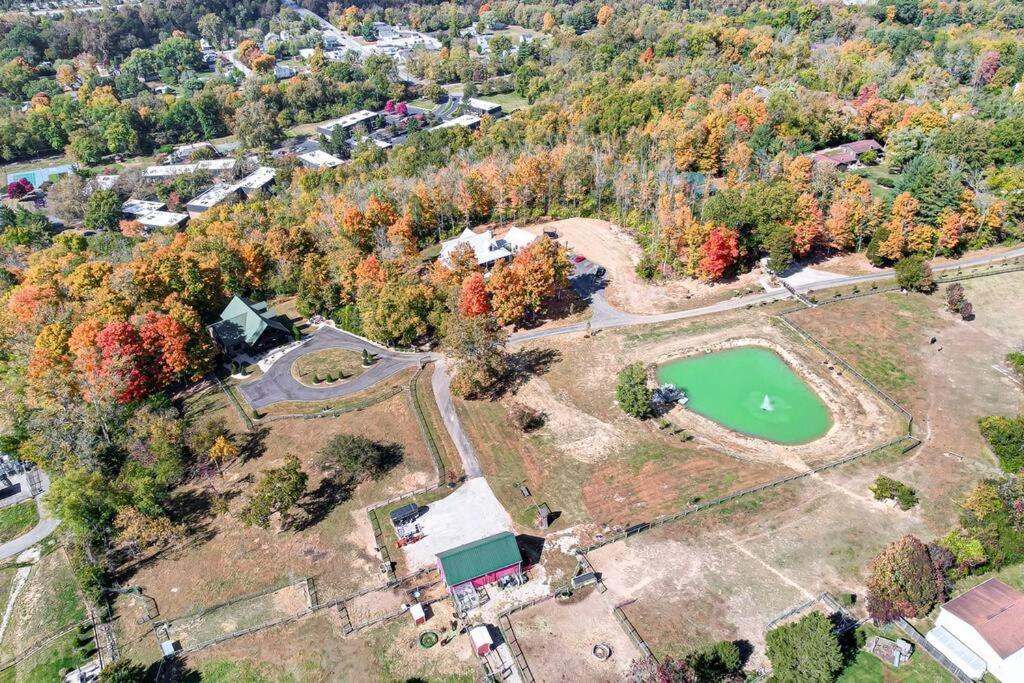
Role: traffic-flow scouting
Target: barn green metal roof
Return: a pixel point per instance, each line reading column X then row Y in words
column 469, row 561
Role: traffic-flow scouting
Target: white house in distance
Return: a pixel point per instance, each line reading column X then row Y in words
column 466, row 121
column 983, row 630
column 319, row 159
column 486, row 248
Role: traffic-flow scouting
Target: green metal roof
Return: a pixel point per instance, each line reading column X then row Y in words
column 469, row 561
column 244, row 320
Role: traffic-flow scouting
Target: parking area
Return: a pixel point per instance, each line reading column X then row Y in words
column 469, row 514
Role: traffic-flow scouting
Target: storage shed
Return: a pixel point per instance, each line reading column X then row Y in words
column 405, row 514
column 481, row 562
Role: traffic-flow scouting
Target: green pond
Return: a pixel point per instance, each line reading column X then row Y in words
column 750, row 390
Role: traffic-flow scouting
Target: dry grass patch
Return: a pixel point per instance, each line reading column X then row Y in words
column 332, row 540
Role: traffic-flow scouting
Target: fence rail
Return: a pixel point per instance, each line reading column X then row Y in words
column 40, row 644
column 634, row 635
column 641, row 527
column 922, row 643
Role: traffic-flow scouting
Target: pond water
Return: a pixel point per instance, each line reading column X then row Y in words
column 750, row 390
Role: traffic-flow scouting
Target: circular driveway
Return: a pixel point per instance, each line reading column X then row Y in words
column 277, row 384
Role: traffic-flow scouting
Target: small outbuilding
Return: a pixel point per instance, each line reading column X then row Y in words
column 406, row 514
column 481, row 562
column 480, row 636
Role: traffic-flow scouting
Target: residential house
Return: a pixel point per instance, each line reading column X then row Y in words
column 483, row 107
column 470, row 121
column 248, row 327
column 487, row 250
column 319, row 159
column 348, row 122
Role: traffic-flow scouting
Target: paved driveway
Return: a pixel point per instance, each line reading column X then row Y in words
column 278, row 384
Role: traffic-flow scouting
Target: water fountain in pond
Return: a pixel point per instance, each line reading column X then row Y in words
column 766, row 404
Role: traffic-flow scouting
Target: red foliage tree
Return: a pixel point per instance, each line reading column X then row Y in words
column 904, row 581
column 718, row 253
column 473, row 300
column 123, row 353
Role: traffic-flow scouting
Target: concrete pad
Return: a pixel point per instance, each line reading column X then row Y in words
column 809, row 276
column 469, row 514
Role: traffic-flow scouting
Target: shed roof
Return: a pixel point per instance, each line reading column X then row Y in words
column 472, row 560
column 996, row 612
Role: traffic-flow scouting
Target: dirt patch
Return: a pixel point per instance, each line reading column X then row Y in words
column 557, row 640
column 613, row 248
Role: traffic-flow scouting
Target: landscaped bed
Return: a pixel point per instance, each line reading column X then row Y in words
column 328, row 366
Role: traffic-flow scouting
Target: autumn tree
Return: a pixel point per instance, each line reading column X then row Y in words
column 473, row 300
column 508, row 294
column 222, row 451
column 604, row 15
column 807, row 225
column 903, row 581
column 902, row 219
column 718, row 254
column 477, row 344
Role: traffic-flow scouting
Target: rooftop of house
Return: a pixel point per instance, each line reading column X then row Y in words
column 213, row 196
column 349, row 120
column 245, row 321
column 996, row 612
column 137, row 207
column 257, row 179
column 170, row 170
column 482, row 105
column 161, row 219
column 466, row 121
column 472, row 560
column 485, row 250
column 319, row 158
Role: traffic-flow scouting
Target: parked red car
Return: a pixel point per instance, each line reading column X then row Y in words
column 579, row 259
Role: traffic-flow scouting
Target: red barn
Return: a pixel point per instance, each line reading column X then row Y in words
column 481, row 562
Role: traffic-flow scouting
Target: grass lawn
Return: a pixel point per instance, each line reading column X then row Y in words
column 509, row 101
column 17, row 519
column 422, row 103
column 47, row 665
column 867, row 668
column 875, row 174
column 328, row 365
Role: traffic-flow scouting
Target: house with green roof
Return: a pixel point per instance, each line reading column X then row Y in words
column 248, row 327
column 481, row 562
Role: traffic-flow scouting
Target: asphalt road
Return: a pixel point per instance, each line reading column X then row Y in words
column 604, row 316
column 278, row 384
column 39, row 532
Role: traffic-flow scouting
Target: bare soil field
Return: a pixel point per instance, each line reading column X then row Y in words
column 331, row 539
column 610, row 246
column 558, row 639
